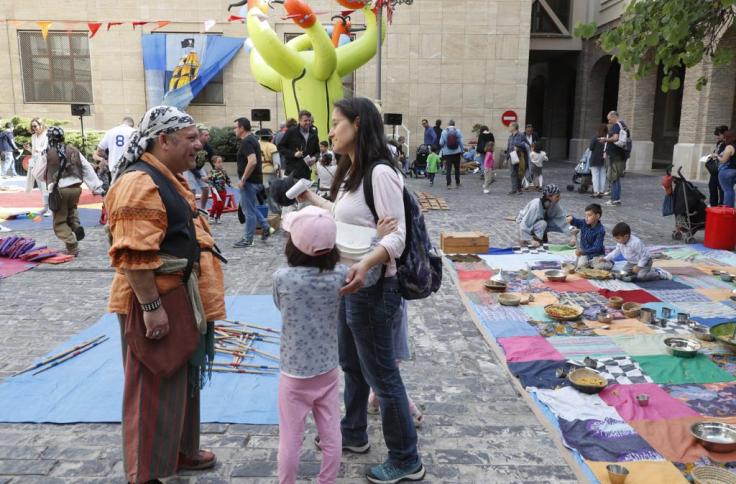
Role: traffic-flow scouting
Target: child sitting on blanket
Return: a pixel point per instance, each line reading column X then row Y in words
column 308, row 295
column 592, row 235
column 638, row 259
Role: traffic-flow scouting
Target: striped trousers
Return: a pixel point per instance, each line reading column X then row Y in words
column 160, row 418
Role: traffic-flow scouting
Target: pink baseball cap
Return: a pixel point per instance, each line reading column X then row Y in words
column 313, row 230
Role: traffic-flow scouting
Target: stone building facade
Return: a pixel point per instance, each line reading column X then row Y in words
column 465, row 60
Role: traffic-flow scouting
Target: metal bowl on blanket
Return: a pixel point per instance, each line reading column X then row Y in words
column 682, row 347
column 622, row 275
column 587, row 380
column 715, row 436
column 555, row 275
column 725, row 333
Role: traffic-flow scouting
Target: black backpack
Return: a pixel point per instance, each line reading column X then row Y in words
column 419, row 269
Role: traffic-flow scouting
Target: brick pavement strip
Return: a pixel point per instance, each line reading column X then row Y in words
column 477, row 428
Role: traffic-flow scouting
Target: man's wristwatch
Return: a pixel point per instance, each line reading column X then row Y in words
column 151, row 306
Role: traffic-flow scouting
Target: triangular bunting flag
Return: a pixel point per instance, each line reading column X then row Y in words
column 208, row 24
column 15, row 23
column 138, row 24
column 113, row 24
column 346, row 13
column 233, row 18
column 44, row 25
column 161, row 24
column 93, row 28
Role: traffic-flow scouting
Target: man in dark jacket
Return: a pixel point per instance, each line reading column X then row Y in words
column 299, row 148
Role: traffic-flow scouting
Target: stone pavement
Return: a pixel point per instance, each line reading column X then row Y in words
column 477, row 428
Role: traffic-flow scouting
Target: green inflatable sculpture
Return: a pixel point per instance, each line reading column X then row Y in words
column 307, row 70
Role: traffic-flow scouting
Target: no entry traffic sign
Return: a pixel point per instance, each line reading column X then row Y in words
column 509, row 117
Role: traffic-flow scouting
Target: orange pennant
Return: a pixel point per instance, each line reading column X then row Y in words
column 44, row 25
column 93, row 28
column 138, row 24
column 113, row 24
column 233, row 18
column 161, row 24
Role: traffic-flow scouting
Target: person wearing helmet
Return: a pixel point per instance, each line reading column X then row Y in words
column 540, row 216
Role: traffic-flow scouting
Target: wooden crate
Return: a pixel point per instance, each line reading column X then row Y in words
column 274, row 220
column 464, row 242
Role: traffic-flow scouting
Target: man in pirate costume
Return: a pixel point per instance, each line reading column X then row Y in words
column 162, row 249
column 68, row 168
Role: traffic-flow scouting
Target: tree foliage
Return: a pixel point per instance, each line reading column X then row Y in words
column 670, row 33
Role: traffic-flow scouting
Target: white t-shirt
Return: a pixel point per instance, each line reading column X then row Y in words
column 114, row 142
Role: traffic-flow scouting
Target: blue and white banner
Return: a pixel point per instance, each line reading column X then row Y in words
column 179, row 66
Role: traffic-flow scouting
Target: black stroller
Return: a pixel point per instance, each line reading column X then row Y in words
column 581, row 176
column 688, row 206
column 419, row 165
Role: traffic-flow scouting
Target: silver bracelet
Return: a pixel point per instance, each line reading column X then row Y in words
column 152, row 306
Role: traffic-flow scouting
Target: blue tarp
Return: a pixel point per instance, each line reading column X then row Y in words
column 89, row 387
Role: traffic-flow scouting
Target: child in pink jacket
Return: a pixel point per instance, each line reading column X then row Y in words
column 489, row 176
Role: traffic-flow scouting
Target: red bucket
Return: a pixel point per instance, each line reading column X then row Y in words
column 720, row 228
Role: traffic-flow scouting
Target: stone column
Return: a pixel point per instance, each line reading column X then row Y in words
column 702, row 111
column 589, row 85
column 636, row 109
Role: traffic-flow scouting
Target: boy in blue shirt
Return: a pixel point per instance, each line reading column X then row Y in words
column 592, row 235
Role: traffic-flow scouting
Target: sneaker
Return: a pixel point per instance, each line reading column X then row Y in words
column 486, row 191
column 242, row 243
column 355, row 449
column 431, row 184
column 449, row 187
column 613, row 203
column 265, row 234
column 664, row 275
column 512, row 192
column 388, row 473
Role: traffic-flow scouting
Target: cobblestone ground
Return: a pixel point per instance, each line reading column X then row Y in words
column 477, row 428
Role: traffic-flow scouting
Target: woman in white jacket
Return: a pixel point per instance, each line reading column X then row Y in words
column 38, row 147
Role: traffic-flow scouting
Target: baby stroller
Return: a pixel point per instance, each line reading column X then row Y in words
column 582, row 175
column 419, row 165
column 688, row 205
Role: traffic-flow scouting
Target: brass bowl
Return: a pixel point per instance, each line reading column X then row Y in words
column 631, row 309
column 509, row 299
column 615, row 302
column 548, row 309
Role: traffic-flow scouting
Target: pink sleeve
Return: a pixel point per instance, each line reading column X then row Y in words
column 388, row 196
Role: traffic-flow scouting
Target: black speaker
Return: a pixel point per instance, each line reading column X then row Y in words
column 81, row 110
column 392, row 119
column 260, row 115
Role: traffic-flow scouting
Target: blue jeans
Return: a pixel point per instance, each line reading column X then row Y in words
column 367, row 358
column 616, row 190
column 248, row 202
column 727, row 179
column 8, row 165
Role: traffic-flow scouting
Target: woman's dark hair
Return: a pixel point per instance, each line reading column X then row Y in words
column 729, row 137
column 370, row 144
column 602, row 130
column 297, row 258
column 326, row 159
column 291, row 122
column 720, row 130
column 621, row 229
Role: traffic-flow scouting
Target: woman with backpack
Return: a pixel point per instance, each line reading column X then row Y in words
column 451, row 143
column 597, row 163
column 371, row 295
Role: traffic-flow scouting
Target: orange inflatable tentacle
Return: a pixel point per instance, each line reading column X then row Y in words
column 353, row 4
column 301, row 13
column 259, row 4
column 340, row 27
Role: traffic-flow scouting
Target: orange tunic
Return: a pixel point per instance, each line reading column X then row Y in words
column 137, row 223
